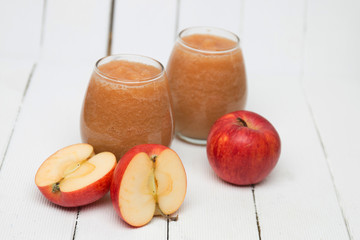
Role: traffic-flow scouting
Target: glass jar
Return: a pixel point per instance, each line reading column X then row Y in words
column 207, row 80
column 127, row 103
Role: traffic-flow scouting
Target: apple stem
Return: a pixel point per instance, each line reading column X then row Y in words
column 172, row 218
column 153, row 158
column 55, row 187
column 241, row 122
column 168, row 217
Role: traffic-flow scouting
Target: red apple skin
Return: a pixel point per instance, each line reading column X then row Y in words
column 80, row 197
column 149, row 149
column 243, row 155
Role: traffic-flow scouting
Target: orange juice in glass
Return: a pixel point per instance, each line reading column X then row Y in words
column 127, row 103
column 207, row 80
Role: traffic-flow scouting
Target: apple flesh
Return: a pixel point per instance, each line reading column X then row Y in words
column 75, row 176
column 148, row 179
column 243, row 147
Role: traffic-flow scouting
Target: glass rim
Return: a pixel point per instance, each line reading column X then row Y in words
column 126, row 57
column 183, row 43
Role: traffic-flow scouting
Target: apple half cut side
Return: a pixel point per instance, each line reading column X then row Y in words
column 75, row 176
column 149, row 179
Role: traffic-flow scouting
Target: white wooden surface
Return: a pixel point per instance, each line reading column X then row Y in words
column 20, row 39
column 302, row 59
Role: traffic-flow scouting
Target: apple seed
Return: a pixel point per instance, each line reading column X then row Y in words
column 153, row 158
column 152, row 179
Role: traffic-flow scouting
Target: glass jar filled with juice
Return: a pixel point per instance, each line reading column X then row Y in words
column 207, row 80
column 127, row 103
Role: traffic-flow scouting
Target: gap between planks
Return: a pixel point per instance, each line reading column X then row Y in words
column 111, row 27
column 327, row 163
column 18, row 113
column 76, row 223
column 256, row 212
column 177, row 16
column 108, row 52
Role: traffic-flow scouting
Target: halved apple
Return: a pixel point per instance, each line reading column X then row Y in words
column 75, row 176
column 148, row 179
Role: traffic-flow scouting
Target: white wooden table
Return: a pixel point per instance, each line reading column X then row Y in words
column 303, row 66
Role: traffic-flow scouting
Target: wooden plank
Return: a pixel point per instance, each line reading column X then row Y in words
column 212, row 208
column 332, row 85
column 20, row 30
column 70, row 32
column 145, row 28
column 49, row 118
column 298, row 200
column 337, row 121
column 332, row 39
column 227, row 14
column 112, row 227
column 273, row 37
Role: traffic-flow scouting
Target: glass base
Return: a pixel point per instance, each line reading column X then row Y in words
column 196, row 141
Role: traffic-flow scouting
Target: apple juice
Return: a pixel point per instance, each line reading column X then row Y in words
column 127, row 103
column 207, row 80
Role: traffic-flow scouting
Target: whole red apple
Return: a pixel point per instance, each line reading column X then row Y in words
column 243, row 147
